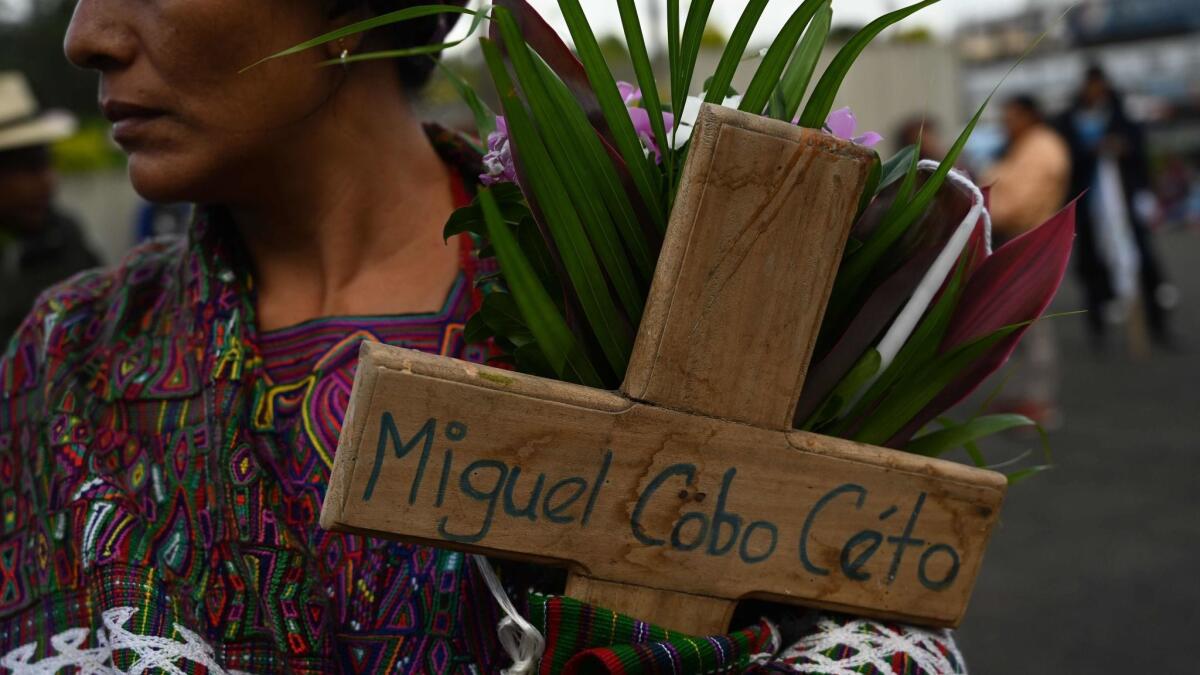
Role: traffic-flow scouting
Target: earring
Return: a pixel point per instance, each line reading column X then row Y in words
column 345, row 55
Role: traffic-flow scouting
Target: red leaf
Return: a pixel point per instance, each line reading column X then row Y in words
column 1017, row 283
column 911, row 258
column 1013, row 286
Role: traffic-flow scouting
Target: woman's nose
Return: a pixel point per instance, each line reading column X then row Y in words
column 100, row 36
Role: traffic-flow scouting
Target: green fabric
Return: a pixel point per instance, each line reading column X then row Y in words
column 584, row 639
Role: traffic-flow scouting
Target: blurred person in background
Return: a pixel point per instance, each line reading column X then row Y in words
column 161, row 220
column 1028, row 186
column 925, row 131
column 1115, row 256
column 1030, row 181
column 39, row 245
column 1179, row 193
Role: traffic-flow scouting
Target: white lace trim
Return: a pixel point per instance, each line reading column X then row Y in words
column 148, row 651
column 874, row 644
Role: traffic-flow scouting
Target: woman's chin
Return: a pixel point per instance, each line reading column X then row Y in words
column 161, row 178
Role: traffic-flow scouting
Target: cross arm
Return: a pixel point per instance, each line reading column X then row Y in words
column 688, row 490
column 626, row 493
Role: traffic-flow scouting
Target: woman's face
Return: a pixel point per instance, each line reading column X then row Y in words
column 27, row 184
column 194, row 126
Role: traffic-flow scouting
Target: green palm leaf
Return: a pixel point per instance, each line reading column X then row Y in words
column 554, row 339
column 689, row 51
column 388, row 19
column 821, row 103
column 722, row 80
column 645, row 175
column 565, row 130
column 786, row 103
column 562, row 219
column 644, row 69
column 766, row 80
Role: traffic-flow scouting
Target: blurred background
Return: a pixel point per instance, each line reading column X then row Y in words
column 1093, row 568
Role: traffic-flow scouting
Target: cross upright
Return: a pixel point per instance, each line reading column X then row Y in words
column 688, row 490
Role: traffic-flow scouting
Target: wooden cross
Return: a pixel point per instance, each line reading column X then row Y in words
column 689, row 489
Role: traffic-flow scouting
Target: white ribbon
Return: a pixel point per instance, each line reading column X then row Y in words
column 522, row 642
column 906, row 323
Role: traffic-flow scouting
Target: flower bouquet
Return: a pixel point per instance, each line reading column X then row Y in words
column 582, row 174
column 582, row 171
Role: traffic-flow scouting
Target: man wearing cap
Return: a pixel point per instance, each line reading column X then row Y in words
column 39, row 245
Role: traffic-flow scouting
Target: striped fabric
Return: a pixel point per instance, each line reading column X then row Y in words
column 586, row 639
column 290, row 353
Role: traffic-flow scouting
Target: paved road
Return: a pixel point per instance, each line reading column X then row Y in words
column 1096, row 567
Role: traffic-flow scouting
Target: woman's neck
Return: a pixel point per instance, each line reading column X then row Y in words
column 349, row 222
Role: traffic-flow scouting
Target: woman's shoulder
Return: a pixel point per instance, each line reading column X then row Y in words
column 147, row 267
column 72, row 318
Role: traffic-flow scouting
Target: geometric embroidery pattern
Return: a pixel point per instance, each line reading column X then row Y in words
column 162, row 468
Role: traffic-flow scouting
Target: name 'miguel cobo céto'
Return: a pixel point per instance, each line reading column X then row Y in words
column 503, row 491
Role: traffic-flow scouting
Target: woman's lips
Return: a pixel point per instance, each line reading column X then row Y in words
column 129, row 119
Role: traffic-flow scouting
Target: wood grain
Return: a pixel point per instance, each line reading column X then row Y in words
column 763, row 213
column 688, row 491
column 687, row 473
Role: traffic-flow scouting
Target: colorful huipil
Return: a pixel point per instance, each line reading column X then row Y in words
column 162, row 467
column 161, row 479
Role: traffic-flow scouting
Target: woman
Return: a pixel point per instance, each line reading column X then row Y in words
column 1028, row 186
column 167, row 428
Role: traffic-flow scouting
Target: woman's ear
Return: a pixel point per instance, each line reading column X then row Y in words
column 344, row 47
column 351, row 44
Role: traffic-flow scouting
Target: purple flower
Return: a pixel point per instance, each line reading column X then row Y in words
column 843, row 124
column 641, row 119
column 498, row 162
column 645, row 130
column 631, row 94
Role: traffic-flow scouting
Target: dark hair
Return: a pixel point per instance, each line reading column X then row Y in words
column 1026, row 103
column 913, row 128
column 414, row 71
column 1095, row 72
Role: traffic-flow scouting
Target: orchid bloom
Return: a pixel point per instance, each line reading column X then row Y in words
column 631, row 94
column 645, row 130
column 843, row 124
column 640, row 117
column 498, row 162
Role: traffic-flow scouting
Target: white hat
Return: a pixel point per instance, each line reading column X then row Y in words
column 21, row 125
